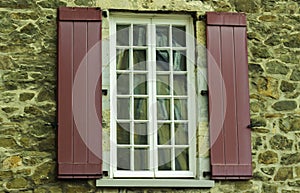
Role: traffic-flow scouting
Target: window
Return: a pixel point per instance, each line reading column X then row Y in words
column 153, row 120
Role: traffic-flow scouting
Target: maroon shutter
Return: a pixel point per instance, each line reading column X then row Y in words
column 79, row 93
column 230, row 139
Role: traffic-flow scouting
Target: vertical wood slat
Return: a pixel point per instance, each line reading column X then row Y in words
column 79, row 93
column 230, row 137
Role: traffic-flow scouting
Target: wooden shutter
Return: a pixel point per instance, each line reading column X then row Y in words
column 230, row 139
column 79, row 93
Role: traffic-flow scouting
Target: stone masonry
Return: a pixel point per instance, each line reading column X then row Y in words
column 28, row 93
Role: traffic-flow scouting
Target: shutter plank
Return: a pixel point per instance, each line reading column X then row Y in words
column 65, row 73
column 216, row 90
column 79, row 93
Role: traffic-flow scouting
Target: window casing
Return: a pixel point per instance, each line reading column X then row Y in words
column 153, row 98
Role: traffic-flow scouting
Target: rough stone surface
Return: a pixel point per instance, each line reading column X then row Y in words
column 28, row 93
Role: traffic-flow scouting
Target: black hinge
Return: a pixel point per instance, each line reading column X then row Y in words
column 204, row 92
column 202, row 18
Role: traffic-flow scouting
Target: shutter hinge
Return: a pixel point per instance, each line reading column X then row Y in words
column 204, row 92
column 52, row 124
column 206, row 174
column 202, row 18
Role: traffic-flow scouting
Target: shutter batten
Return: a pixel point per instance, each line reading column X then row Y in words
column 229, row 111
column 79, row 93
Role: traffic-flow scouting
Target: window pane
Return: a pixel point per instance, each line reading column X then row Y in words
column 162, row 60
column 162, row 84
column 140, row 109
column 140, row 134
column 139, row 59
column 122, row 59
column 181, row 134
column 141, row 159
column 178, row 36
column 163, row 109
column 123, row 84
column 140, row 84
column 164, row 159
column 139, row 35
column 123, row 157
column 123, row 108
column 179, row 60
column 162, row 36
column 123, row 35
column 180, row 85
column 123, row 133
column 182, row 159
column 164, row 134
column 180, row 109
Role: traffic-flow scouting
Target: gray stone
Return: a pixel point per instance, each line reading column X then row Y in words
column 269, row 171
column 26, row 96
column 288, row 159
column 268, row 157
column 284, row 105
column 266, row 188
column 290, row 123
column 295, row 75
column 283, row 174
column 293, row 41
column 286, row 86
column 276, row 67
column 279, row 142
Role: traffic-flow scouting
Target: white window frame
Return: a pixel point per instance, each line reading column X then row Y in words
column 141, row 179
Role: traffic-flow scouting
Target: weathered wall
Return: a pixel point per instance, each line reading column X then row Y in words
column 28, row 83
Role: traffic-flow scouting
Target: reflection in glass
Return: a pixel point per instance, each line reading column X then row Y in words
column 162, row 84
column 179, row 60
column 181, row 159
column 141, row 159
column 178, row 36
column 180, row 85
column 163, row 109
column 140, row 109
column 162, row 60
column 122, row 59
column 123, row 133
column 139, row 35
column 123, row 108
column 180, row 109
column 164, row 159
column 140, row 84
column 162, row 36
column 123, row 83
column 140, row 134
column 123, row 35
column 123, row 157
column 181, row 134
column 164, row 134
column 139, row 59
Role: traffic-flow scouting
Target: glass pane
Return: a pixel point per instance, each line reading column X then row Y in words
column 123, row 84
column 164, row 159
column 181, row 134
column 182, row 159
column 123, row 35
column 162, row 36
column 123, row 108
column 164, row 134
column 122, row 59
column 139, row 35
column 139, row 59
column 178, row 36
column 140, row 134
column 163, row 109
column 123, row 159
column 180, row 109
column 141, row 159
column 140, row 109
column 123, row 133
column 180, row 85
column 179, row 60
column 162, row 60
column 140, row 84
column 163, row 84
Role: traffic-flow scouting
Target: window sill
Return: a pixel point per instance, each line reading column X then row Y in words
column 155, row 183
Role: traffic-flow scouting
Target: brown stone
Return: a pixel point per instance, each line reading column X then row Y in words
column 284, row 174
column 268, row 157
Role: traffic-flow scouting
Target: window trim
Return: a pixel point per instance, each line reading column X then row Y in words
column 187, row 20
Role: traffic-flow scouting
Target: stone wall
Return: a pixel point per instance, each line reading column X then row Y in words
column 28, row 84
